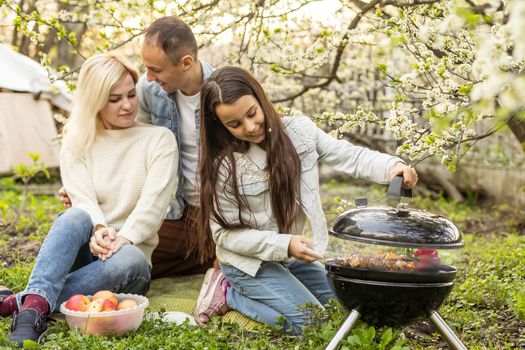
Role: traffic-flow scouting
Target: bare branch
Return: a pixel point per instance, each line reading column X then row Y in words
column 480, row 9
column 398, row 3
column 338, row 56
column 206, row 6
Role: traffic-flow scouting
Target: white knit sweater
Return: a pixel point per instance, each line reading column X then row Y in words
column 125, row 181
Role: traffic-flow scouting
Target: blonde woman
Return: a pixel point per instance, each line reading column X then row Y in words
column 120, row 175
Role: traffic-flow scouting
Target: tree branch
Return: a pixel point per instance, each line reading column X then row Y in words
column 364, row 7
column 339, row 53
column 398, row 3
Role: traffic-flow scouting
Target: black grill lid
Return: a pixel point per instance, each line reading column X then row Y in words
column 397, row 227
column 400, row 228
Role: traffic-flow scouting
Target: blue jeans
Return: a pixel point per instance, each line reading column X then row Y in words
column 65, row 266
column 277, row 291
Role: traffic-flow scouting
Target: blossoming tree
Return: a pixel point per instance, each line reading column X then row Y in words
column 434, row 68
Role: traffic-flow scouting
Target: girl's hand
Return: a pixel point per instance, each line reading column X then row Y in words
column 298, row 249
column 409, row 174
column 100, row 242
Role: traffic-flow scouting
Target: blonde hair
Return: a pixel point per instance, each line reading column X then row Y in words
column 98, row 75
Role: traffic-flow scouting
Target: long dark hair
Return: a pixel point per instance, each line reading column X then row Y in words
column 217, row 145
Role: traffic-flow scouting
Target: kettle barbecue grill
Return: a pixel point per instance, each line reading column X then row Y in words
column 387, row 288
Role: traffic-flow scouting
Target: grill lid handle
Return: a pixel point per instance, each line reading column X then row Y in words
column 396, row 189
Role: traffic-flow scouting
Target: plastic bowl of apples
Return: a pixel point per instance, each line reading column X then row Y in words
column 104, row 313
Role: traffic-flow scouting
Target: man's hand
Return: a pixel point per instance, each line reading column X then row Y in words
column 100, row 243
column 64, row 198
column 409, row 174
column 298, row 249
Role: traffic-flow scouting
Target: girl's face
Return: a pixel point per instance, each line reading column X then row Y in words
column 121, row 108
column 244, row 119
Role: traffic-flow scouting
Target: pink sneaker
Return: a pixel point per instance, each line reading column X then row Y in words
column 212, row 297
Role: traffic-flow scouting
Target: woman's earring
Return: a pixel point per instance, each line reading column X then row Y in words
column 269, row 130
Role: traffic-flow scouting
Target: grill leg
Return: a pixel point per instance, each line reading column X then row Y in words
column 447, row 333
column 345, row 328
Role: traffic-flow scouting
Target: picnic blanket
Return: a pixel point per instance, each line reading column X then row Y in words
column 180, row 294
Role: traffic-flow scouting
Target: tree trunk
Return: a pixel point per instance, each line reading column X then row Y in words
column 21, row 41
column 517, row 126
column 14, row 39
column 64, row 50
column 438, row 178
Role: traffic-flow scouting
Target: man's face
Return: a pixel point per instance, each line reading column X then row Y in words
column 160, row 69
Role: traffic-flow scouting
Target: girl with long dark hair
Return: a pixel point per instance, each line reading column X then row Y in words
column 259, row 183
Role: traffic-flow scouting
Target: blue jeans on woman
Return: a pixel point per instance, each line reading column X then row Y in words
column 277, row 291
column 65, row 266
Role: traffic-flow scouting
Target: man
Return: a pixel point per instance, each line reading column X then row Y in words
column 169, row 96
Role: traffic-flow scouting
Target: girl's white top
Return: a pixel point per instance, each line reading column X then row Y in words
column 247, row 248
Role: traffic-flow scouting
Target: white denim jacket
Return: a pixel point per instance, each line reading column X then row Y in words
column 247, row 248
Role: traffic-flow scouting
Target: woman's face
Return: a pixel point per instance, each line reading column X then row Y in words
column 244, row 119
column 121, row 108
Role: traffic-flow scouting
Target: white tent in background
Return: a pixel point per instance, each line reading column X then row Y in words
column 26, row 118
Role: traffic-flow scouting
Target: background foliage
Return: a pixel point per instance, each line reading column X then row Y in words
column 439, row 75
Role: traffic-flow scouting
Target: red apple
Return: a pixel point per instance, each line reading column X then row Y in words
column 101, row 305
column 107, row 305
column 78, row 302
column 126, row 304
column 106, row 294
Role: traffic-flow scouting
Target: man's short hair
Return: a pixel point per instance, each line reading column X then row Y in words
column 173, row 36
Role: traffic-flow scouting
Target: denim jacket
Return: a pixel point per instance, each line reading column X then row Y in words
column 247, row 248
column 158, row 107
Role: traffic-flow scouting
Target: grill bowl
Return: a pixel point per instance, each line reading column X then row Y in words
column 389, row 303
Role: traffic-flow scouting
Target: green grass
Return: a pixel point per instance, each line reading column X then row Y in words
column 486, row 306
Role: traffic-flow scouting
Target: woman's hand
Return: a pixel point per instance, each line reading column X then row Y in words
column 118, row 243
column 64, row 198
column 100, row 243
column 298, row 249
column 409, row 174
